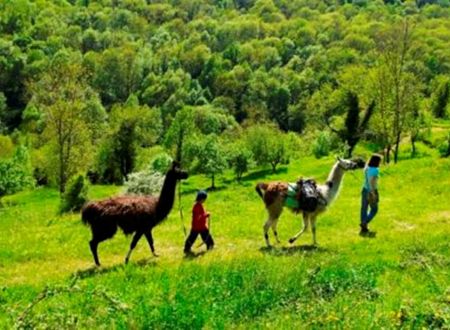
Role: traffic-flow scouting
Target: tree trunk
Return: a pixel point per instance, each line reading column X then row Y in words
column 397, row 146
column 350, row 150
column 274, row 167
column 413, row 146
column 212, row 182
column 448, row 146
column 62, row 181
column 387, row 155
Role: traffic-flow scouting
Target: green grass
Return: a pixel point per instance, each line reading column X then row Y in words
column 398, row 279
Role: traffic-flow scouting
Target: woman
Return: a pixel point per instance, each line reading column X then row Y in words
column 369, row 194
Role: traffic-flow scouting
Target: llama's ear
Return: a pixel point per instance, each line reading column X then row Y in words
column 175, row 164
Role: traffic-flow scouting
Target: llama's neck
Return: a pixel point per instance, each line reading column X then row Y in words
column 334, row 182
column 166, row 198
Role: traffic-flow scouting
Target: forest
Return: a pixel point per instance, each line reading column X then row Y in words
column 105, row 89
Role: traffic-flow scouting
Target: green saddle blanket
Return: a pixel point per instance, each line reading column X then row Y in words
column 291, row 200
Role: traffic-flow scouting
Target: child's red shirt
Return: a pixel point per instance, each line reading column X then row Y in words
column 199, row 216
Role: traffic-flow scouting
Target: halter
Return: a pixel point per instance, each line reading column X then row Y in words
column 341, row 167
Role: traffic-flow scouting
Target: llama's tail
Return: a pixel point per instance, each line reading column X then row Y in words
column 89, row 214
column 260, row 187
column 102, row 227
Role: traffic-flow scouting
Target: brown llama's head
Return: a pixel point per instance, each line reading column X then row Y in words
column 176, row 171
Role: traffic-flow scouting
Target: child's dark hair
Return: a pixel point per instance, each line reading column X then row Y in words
column 201, row 195
column 374, row 160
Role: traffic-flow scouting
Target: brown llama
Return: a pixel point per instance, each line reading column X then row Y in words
column 274, row 195
column 133, row 214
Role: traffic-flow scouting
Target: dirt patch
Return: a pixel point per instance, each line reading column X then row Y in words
column 441, row 216
column 405, row 226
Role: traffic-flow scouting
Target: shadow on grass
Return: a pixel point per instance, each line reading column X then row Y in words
column 263, row 173
column 194, row 255
column 209, row 189
column 7, row 203
column 292, row 250
column 96, row 271
column 370, row 234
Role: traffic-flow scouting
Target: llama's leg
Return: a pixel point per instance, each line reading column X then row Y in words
column 313, row 228
column 305, row 227
column 135, row 240
column 149, row 237
column 101, row 231
column 274, row 211
column 93, row 245
column 266, row 227
column 274, row 229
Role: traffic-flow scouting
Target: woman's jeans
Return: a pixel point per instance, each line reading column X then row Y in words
column 367, row 217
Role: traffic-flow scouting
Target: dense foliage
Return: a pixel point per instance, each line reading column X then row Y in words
column 91, row 85
column 76, row 194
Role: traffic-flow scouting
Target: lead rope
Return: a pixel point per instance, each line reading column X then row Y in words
column 181, row 209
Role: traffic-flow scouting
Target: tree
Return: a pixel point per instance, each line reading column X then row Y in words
column 418, row 123
column 3, row 109
column 180, row 130
column 209, row 157
column 119, row 73
column 278, row 103
column 195, row 59
column 268, row 146
column 6, row 147
column 209, row 119
column 16, row 172
column 76, row 195
column 353, row 126
column 240, row 158
column 124, row 147
column 441, row 99
column 61, row 95
column 396, row 88
column 147, row 121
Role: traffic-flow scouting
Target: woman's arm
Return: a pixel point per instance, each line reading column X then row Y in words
column 373, row 183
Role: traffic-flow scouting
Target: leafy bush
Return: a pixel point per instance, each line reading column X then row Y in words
column 322, row 145
column 144, row 183
column 75, row 195
column 444, row 147
column 240, row 159
column 16, row 173
column 6, row 146
column 209, row 156
column 268, row 145
column 161, row 163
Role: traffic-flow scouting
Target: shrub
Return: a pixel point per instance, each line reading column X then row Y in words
column 75, row 195
column 444, row 147
column 322, row 145
column 240, row 159
column 268, row 145
column 16, row 173
column 6, row 146
column 144, row 183
column 161, row 163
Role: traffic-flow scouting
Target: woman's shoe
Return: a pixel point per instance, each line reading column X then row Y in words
column 364, row 229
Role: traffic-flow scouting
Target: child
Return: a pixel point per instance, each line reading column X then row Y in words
column 199, row 225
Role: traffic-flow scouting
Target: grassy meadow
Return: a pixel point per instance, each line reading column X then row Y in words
column 399, row 279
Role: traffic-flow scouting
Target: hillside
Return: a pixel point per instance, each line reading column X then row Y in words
column 398, row 278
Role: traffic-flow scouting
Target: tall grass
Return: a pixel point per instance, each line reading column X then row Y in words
column 400, row 278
